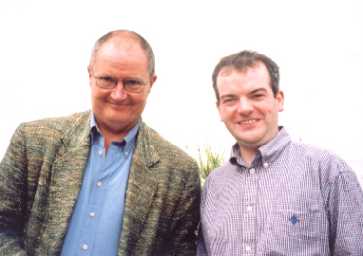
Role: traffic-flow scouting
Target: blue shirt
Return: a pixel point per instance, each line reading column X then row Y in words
column 96, row 223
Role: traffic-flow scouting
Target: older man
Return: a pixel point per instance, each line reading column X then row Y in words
column 100, row 182
column 274, row 196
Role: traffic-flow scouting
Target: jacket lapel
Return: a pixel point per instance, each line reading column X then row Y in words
column 140, row 191
column 66, row 180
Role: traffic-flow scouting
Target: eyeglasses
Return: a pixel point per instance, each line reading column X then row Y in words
column 131, row 85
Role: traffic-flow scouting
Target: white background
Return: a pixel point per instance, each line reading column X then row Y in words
column 318, row 44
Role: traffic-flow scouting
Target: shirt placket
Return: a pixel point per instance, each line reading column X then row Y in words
column 249, row 212
column 94, row 205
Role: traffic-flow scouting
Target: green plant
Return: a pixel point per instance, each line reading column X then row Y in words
column 208, row 161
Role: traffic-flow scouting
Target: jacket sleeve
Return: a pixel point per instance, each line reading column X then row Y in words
column 345, row 211
column 12, row 197
column 188, row 216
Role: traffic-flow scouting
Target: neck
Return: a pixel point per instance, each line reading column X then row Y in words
column 109, row 139
column 110, row 136
column 248, row 154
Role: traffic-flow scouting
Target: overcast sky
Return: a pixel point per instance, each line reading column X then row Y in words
column 45, row 47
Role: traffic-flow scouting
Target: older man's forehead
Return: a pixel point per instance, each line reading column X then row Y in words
column 121, row 46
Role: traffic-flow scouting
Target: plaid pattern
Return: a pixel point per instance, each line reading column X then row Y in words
column 293, row 200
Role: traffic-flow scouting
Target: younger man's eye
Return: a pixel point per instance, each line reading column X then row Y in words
column 258, row 96
column 229, row 100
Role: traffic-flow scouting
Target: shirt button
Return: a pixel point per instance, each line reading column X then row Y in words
column 248, row 248
column 99, row 183
column 252, row 171
column 249, row 208
column 92, row 214
column 265, row 164
column 84, row 247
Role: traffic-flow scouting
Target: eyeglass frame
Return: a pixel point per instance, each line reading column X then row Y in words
column 136, row 85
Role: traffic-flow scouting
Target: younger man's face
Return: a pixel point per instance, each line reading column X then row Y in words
column 247, row 105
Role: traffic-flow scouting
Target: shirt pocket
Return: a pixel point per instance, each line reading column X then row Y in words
column 297, row 225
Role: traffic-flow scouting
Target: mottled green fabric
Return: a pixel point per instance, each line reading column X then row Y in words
column 41, row 175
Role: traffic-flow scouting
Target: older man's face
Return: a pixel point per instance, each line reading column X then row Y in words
column 117, row 110
column 248, row 106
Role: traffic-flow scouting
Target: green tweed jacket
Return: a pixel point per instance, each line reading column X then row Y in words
column 41, row 175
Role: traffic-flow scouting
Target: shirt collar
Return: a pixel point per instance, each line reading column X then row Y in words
column 128, row 141
column 267, row 153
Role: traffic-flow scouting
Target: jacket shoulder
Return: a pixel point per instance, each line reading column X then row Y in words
column 47, row 133
column 51, row 128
